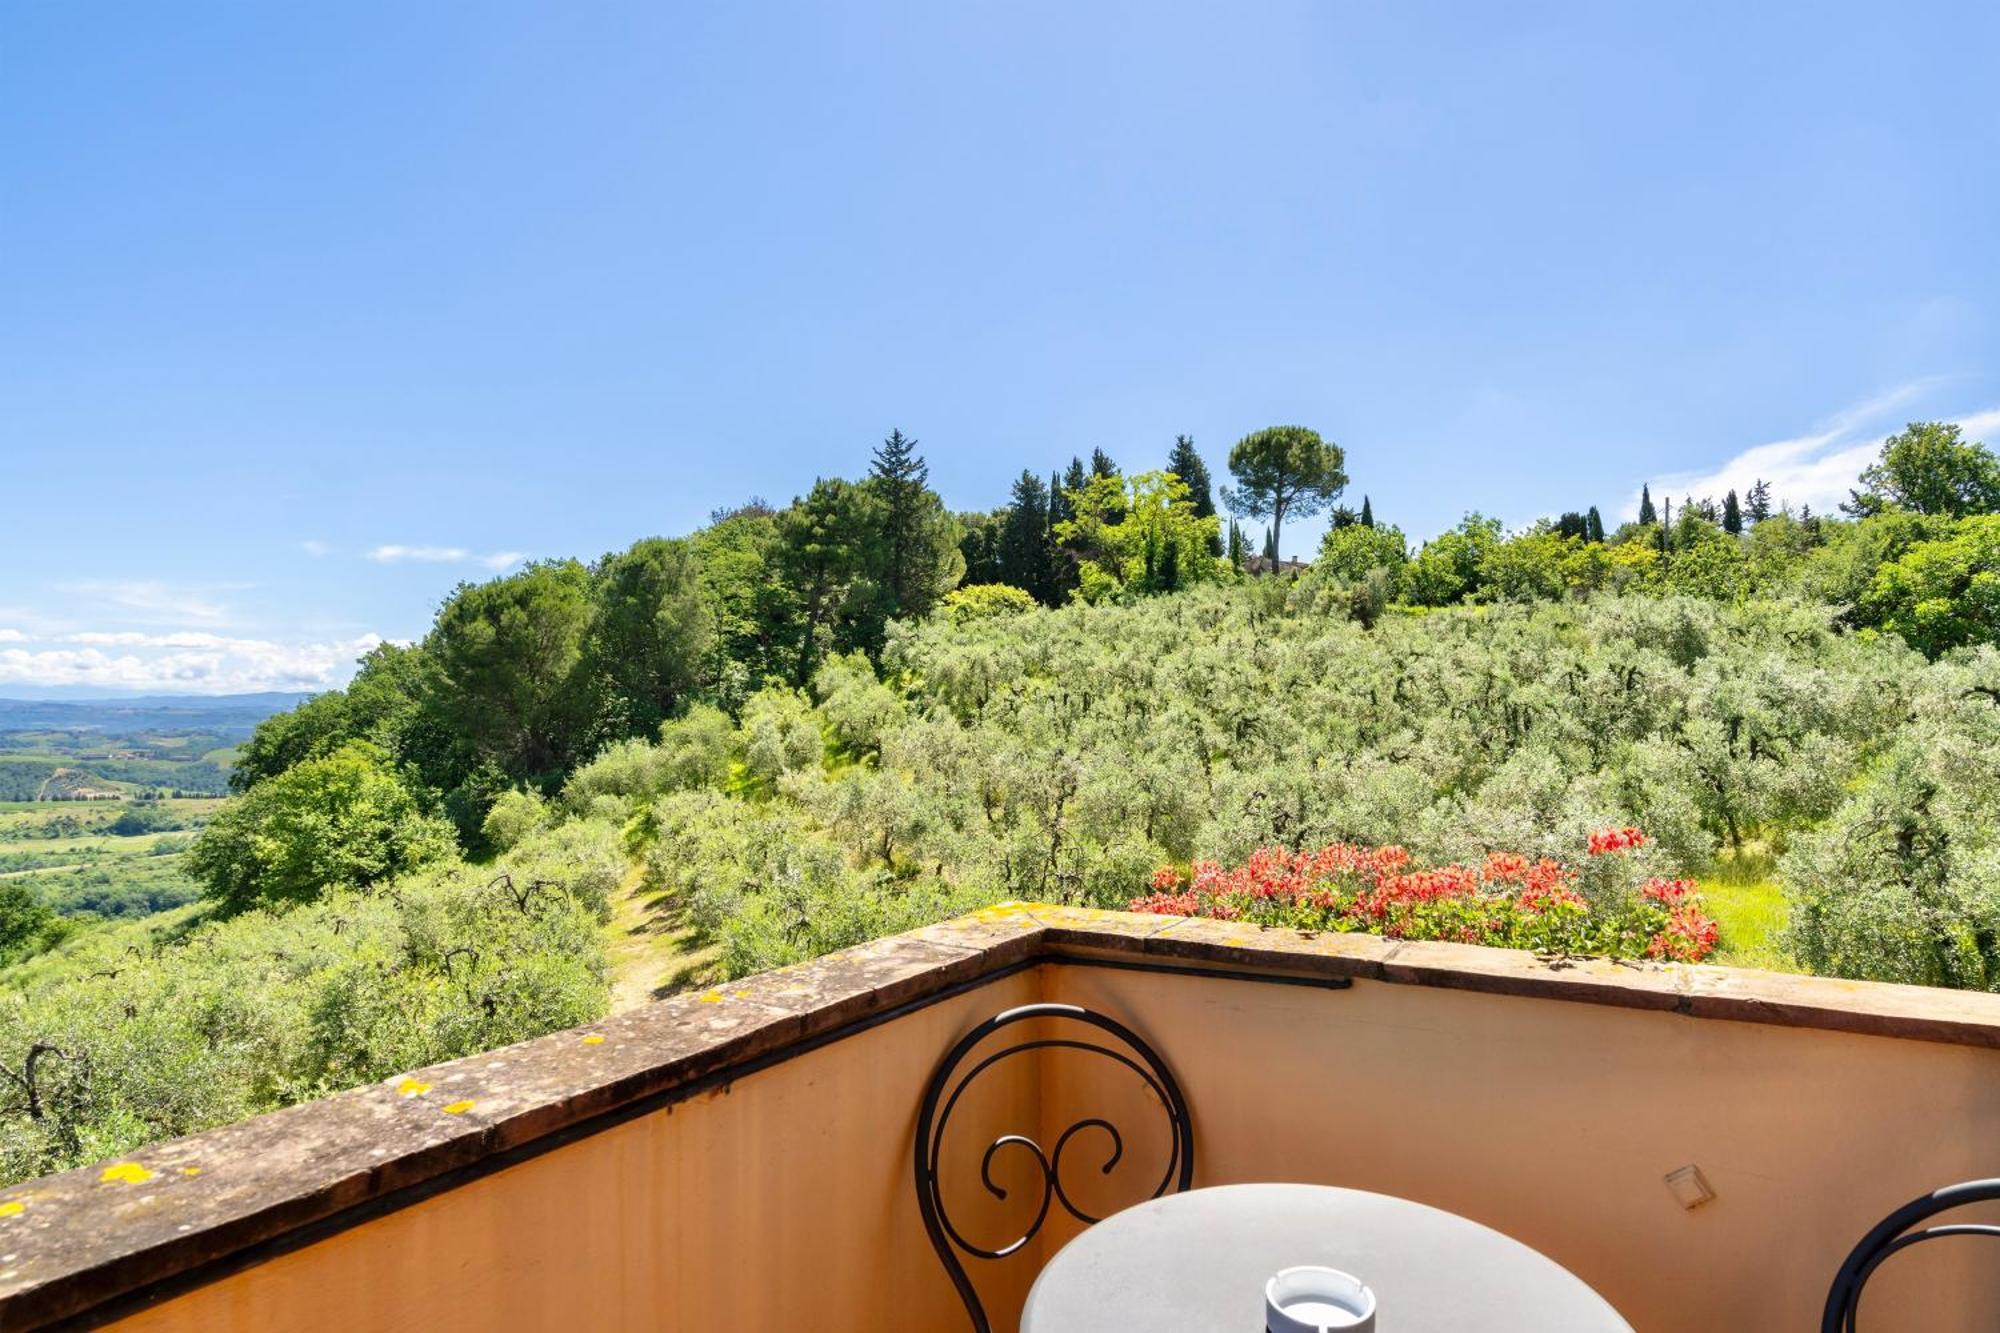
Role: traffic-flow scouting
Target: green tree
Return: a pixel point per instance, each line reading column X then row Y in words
column 1026, row 553
column 1732, row 515
column 757, row 614
column 650, row 640
column 1593, row 526
column 1757, row 502
column 826, row 561
column 1284, row 471
column 918, row 558
column 1138, row 534
column 341, row 819
column 1184, row 462
column 1367, row 513
column 507, row 684
column 1350, row 553
column 979, row 543
column 27, row 924
column 1647, row 514
column 1447, row 569
column 1929, row 469
column 1943, row 594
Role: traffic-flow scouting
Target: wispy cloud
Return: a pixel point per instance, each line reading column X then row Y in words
column 313, row 546
column 186, row 662
column 12, row 636
column 1816, row 469
column 151, row 601
column 445, row 555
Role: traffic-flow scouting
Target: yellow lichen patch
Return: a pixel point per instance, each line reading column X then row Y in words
column 409, row 1087
column 594, row 1039
column 713, row 997
column 190, row 1170
column 12, row 1208
column 128, row 1173
column 742, row 995
column 458, row 1108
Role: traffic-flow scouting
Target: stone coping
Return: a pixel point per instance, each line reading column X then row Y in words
column 85, row 1245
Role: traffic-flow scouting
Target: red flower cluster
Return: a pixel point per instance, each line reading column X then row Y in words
column 1508, row 899
column 1616, row 840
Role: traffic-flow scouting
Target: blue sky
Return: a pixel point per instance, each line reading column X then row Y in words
column 308, row 312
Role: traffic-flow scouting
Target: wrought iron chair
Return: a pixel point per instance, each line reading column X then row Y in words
column 1843, row 1302
column 947, row 1086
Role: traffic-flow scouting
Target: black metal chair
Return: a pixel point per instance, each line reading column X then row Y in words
column 1843, row 1302
column 942, row 1096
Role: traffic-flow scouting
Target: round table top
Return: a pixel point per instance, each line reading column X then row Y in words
column 1198, row 1262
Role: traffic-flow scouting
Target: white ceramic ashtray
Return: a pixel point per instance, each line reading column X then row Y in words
column 1317, row 1300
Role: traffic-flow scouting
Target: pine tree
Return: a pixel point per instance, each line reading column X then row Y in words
column 1757, row 504
column 1367, row 513
column 1025, row 556
column 1732, row 515
column 1101, row 464
column 1185, row 463
column 1593, row 526
column 1647, row 514
column 898, row 475
column 1573, row 524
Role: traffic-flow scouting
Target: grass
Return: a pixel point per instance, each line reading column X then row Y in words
column 1742, row 893
column 653, row 955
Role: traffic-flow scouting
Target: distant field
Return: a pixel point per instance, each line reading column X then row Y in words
column 111, row 858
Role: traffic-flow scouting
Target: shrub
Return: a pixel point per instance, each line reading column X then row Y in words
column 343, row 819
column 984, row 601
column 1601, row 907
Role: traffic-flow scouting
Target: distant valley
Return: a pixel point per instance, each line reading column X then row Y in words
column 123, row 749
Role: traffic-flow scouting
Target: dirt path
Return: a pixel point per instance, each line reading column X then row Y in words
column 651, row 955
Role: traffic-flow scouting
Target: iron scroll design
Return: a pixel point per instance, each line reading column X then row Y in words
column 1893, row 1235
column 947, row 1086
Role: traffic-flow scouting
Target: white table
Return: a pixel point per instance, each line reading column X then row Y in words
column 1197, row 1262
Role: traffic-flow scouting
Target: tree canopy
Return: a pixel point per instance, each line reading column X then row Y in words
column 1284, row 471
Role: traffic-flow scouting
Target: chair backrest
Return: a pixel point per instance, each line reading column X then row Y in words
column 948, row 1085
column 1843, row 1302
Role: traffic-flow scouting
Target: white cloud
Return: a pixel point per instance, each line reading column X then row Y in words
column 313, row 546
column 1817, row 469
column 392, row 553
column 444, row 555
column 190, row 662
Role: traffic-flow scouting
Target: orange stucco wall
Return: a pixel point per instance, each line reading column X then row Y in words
column 1555, row 1122
column 786, row 1201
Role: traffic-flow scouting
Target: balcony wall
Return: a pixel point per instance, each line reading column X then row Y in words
column 741, row 1159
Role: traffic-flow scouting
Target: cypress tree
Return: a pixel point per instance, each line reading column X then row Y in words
column 1732, row 515
column 1647, row 514
column 1594, row 526
column 1367, row 513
